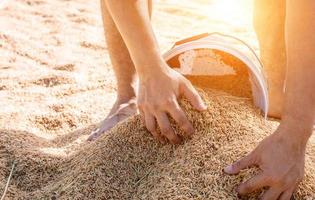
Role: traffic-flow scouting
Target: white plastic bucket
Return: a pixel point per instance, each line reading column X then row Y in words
column 235, row 47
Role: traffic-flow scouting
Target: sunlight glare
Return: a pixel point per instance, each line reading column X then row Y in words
column 233, row 12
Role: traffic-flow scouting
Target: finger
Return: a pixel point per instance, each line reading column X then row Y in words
column 106, row 124
column 237, row 166
column 193, row 97
column 272, row 194
column 287, row 195
column 180, row 117
column 252, row 184
column 150, row 124
column 166, row 128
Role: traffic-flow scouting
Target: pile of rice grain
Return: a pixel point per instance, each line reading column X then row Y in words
column 127, row 163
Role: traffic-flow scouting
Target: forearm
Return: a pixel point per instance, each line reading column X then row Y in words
column 300, row 88
column 133, row 21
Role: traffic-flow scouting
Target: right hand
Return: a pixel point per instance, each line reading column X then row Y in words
column 158, row 94
column 280, row 157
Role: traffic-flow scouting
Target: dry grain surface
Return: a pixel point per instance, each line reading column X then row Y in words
column 127, row 163
column 56, row 84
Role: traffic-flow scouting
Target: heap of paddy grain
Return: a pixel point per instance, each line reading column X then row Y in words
column 127, row 163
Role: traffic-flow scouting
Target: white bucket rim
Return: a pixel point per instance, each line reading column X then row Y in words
column 208, row 43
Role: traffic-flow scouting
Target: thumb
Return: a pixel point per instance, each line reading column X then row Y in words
column 237, row 166
column 193, row 97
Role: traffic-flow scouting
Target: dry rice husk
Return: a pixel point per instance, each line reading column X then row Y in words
column 127, row 163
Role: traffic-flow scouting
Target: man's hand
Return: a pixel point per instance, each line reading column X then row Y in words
column 281, row 155
column 157, row 97
column 160, row 86
column 281, row 160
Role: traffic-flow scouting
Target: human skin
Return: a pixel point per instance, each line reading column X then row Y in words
column 269, row 24
column 281, row 155
column 271, row 41
column 152, row 107
column 160, row 86
column 125, row 74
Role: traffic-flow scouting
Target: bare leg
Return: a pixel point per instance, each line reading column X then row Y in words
column 126, row 77
column 269, row 22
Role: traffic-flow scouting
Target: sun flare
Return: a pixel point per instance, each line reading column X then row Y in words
column 234, row 12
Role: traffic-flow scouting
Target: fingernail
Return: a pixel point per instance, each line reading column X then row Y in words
column 202, row 106
column 228, row 169
column 162, row 141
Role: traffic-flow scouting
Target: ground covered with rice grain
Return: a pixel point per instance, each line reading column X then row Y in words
column 56, row 84
column 127, row 163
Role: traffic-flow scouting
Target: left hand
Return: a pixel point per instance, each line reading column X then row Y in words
column 280, row 157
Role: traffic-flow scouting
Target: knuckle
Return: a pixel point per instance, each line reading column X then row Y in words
column 269, row 179
column 180, row 120
column 150, row 128
column 166, row 130
column 277, row 180
column 168, row 102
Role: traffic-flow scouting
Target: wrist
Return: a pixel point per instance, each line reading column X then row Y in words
column 295, row 131
column 152, row 69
